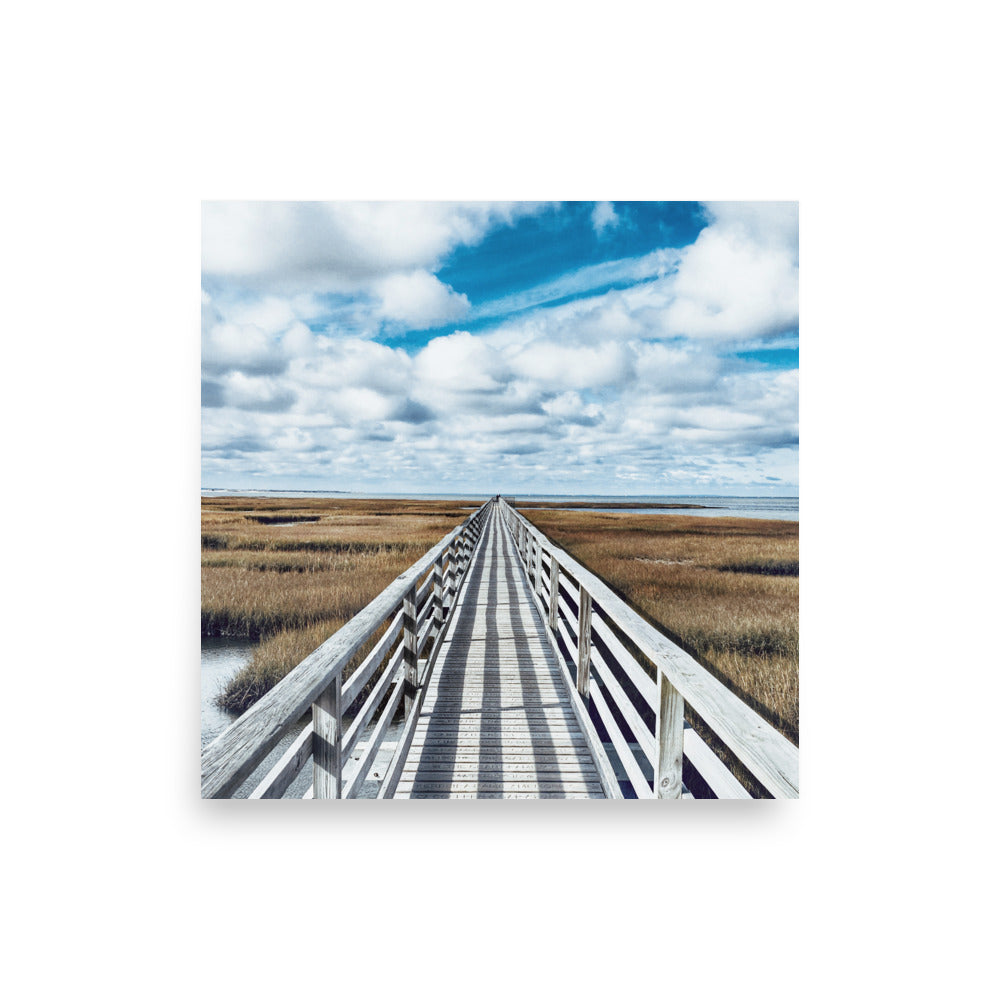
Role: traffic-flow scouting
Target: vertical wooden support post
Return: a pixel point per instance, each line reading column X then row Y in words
column 583, row 647
column 438, row 596
column 668, row 773
column 554, row 595
column 538, row 568
column 409, row 650
column 327, row 736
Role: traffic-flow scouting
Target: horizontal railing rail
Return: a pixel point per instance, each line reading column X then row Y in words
column 642, row 715
column 405, row 624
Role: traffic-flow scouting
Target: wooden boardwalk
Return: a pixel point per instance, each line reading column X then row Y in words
column 508, row 687
column 496, row 721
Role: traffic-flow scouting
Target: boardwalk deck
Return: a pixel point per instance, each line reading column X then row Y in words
column 496, row 721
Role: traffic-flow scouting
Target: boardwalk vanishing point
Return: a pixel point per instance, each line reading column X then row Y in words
column 518, row 674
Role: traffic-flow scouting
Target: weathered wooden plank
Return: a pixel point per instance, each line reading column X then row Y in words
column 372, row 702
column 526, row 763
column 570, row 622
column 424, row 614
column 669, row 762
column 555, row 765
column 426, row 589
column 623, row 703
column 704, row 760
column 287, row 769
column 499, row 786
column 494, row 683
column 583, row 646
column 488, row 742
column 553, row 608
column 438, row 596
column 539, row 717
column 327, row 729
column 502, row 795
column 504, row 736
column 466, row 700
column 644, row 684
column 512, row 705
column 356, row 682
column 635, row 773
column 409, row 652
column 534, row 723
column 516, row 690
column 571, row 645
column 374, row 743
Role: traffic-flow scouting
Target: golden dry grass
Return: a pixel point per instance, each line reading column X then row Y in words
column 292, row 585
column 726, row 589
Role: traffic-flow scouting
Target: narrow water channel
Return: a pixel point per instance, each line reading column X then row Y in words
column 221, row 657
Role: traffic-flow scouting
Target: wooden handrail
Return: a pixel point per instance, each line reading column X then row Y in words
column 234, row 755
column 766, row 753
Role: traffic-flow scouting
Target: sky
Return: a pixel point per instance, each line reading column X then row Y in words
column 621, row 348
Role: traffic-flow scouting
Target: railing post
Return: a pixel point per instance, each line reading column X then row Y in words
column 538, row 568
column 553, row 594
column 583, row 647
column 409, row 650
column 668, row 773
column 438, row 596
column 328, row 769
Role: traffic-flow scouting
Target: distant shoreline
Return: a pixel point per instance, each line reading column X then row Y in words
column 622, row 500
column 648, row 505
column 585, row 505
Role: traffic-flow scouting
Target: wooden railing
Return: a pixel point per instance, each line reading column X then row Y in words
column 589, row 626
column 413, row 609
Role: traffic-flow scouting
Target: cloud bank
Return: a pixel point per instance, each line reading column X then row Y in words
column 654, row 387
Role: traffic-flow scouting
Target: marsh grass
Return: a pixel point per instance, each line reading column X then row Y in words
column 724, row 589
column 289, row 573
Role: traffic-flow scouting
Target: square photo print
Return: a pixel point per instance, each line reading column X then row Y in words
column 499, row 500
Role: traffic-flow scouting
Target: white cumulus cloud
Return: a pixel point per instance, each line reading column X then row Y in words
column 419, row 300
column 740, row 278
column 331, row 246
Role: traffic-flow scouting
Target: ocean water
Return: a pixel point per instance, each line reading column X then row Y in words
column 773, row 508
